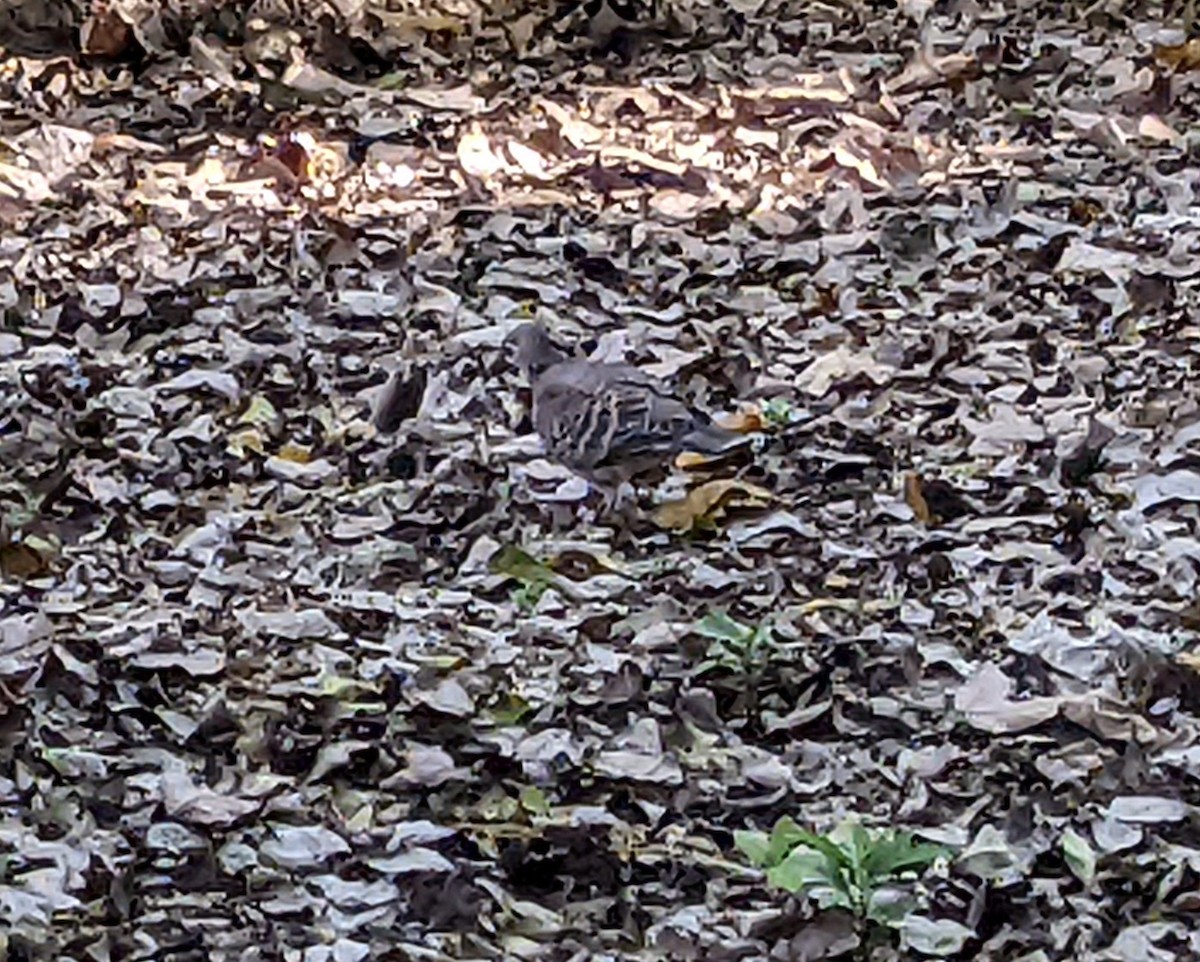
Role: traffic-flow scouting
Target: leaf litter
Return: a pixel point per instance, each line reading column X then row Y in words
column 308, row 652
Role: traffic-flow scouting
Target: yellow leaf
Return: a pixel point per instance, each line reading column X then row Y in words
column 295, row 453
column 243, row 441
column 710, row 501
column 746, row 421
column 260, row 411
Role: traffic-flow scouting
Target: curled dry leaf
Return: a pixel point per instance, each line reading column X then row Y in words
column 916, row 498
column 709, row 502
column 748, row 420
column 1179, row 57
column 1189, row 659
column 695, row 461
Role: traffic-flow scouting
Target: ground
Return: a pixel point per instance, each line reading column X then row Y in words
column 307, row 651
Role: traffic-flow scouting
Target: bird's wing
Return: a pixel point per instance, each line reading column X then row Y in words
column 598, row 415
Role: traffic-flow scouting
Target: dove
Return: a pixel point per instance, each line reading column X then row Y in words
column 609, row 422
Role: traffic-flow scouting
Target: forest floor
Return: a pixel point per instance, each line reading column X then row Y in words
column 276, row 684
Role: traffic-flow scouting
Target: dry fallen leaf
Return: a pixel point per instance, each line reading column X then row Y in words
column 296, row 453
column 20, row 560
column 986, row 702
column 745, row 421
column 476, row 156
column 916, row 500
column 1182, row 56
column 1189, row 659
column 710, row 501
column 749, row 420
column 105, row 33
column 694, row 460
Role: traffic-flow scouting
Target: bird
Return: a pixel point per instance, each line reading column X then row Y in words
column 609, row 422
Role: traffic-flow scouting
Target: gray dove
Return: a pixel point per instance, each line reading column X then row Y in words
column 609, row 422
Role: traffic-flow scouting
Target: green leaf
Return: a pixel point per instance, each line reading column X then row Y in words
column 896, row 852
column 527, row 596
column 778, row 411
column 719, row 626
column 804, row 869
column 711, row 664
column 1080, row 857
column 260, row 411
column 838, row 856
column 756, row 846
column 519, row 564
column 785, row 836
column 534, row 800
column 511, row 709
column 859, row 840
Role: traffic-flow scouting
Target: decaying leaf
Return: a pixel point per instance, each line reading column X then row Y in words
column 295, row 453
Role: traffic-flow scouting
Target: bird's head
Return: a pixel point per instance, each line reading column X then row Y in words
column 533, row 350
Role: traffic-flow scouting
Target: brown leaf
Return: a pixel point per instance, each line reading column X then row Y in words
column 693, row 460
column 1181, row 56
column 25, row 558
column 703, row 505
column 105, row 34
column 293, row 155
column 18, row 561
column 916, row 499
column 1189, row 659
column 746, row 421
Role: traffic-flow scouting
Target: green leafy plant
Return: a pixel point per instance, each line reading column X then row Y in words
column 852, row 867
column 749, row 653
column 779, row 412
column 740, row 647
